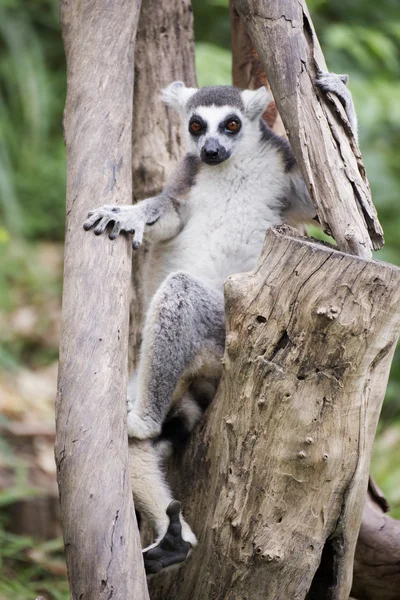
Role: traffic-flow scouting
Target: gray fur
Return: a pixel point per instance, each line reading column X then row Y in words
column 336, row 84
column 184, row 177
column 207, row 223
column 221, row 95
column 185, row 318
column 281, row 145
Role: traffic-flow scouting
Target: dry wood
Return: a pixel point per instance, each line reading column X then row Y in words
column 164, row 53
column 247, row 70
column 100, row 534
column 370, row 574
column 377, row 558
column 276, row 477
column 320, row 136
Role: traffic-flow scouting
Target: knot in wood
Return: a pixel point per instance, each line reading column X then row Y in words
column 349, row 233
column 330, row 312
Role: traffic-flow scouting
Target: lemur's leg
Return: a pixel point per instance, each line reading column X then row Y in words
column 151, row 492
column 185, row 320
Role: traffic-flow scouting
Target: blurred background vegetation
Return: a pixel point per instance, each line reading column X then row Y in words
column 358, row 37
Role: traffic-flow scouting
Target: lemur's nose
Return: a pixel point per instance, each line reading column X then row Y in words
column 211, row 148
column 212, row 153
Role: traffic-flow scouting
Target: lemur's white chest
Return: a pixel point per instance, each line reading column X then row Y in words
column 226, row 215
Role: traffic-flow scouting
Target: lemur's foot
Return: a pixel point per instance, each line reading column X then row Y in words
column 172, row 548
column 330, row 82
column 141, row 428
column 337, row 84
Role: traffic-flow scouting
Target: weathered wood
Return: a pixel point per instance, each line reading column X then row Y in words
column 282, row 460
column 377, row 558
column 320, row 136
column 101, row 539
column 247, row 70
column 164, row 53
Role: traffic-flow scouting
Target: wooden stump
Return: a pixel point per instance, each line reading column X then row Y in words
column 282, row 459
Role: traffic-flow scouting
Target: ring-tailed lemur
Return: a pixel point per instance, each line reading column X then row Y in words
column 237, row 179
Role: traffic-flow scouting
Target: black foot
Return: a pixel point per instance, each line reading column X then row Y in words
column 172, row 549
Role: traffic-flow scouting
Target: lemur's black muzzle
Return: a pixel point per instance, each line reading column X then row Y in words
column 212, row 153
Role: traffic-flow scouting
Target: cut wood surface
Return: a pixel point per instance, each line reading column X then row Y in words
column 319, row 133
column 102, row 544
column 274, row 482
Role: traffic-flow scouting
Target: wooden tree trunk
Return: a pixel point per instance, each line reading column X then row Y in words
column 275, row 481
column 287, row 45
column 164, row 53
column 247, row 70
column 101, row 539
column 377, row 568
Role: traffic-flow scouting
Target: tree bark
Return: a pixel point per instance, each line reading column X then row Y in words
column 378, row 548
column 247, row 70
column 164, row 53
column 102, row 544
column 377, row 558
column 287, row 45
column 275, row 480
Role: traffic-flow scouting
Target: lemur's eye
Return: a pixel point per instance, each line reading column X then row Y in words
column 195, row 127
column 232, row 126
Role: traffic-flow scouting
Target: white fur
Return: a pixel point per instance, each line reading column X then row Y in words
column 226, row 215
column 151, row 492
column 213, row 116
column 255, row 102
column 177, row 95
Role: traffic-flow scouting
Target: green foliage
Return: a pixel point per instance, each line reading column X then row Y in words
column 385, row 465
column 220, row 58
column 29, row 568
column 32, row 94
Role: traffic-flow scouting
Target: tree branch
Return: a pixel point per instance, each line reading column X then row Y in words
column 319, row 132
column 102, row 544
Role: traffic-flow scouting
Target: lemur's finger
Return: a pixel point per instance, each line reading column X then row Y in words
column 94, row 217
column 116, row 230
column 98, row 230
column 138, row 236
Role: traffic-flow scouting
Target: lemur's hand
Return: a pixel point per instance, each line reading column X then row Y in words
column 337, row 84
column 124, row 218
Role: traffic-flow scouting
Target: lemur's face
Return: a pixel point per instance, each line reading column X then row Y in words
column 218, row 119
column 215, row 132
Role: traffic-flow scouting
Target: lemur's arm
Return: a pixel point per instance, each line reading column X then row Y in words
column 160, row 217
column 300, row 208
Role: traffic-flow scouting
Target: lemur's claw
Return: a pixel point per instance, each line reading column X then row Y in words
column 172, row 549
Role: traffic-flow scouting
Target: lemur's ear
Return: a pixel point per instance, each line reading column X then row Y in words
column 177, row 95
column 255, row 102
